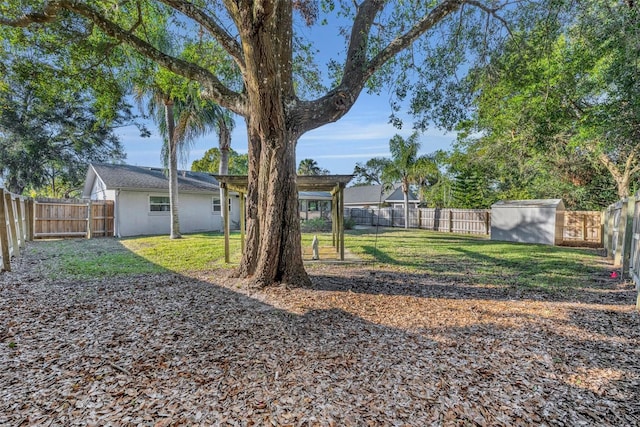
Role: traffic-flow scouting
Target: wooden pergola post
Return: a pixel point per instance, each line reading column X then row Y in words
column 225, row 222
column 334, row 218
column 332, row 183
column 243, row 215
column 341, row 219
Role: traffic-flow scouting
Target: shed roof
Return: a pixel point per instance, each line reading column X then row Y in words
column 533, row 203
column 120, row 176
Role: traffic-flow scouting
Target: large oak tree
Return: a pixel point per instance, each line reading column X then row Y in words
column 263, row 41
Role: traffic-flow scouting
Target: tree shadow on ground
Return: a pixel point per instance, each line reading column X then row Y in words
column 166, row 348
column 547, row 273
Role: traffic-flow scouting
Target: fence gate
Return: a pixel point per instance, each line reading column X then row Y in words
column 73, row 218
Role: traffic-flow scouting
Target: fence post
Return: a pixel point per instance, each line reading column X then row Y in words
column 19, row 217
column 12, row 223
column 622, row 228
column 487, row 225
column 450, row 220
column 4, row 235
column 603, row 221
column 28, row 205
column 609, row 227
column 628, row 234
column 89, row 219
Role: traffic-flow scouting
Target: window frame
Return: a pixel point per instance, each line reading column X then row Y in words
column 164, row 204
column 216, row 207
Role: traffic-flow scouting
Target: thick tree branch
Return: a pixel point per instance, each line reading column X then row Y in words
column 357, row 69
column 221, row 35
column 400, row 43
column 213, row 88
column 357, row 51
column 49, row 13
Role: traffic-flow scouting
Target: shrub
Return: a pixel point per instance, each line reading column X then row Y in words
column 316, row 224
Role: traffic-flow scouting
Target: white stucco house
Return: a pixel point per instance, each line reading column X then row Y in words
column 374, row 196
column 141, row 199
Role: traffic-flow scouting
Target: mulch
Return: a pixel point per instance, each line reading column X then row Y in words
column 363, row 346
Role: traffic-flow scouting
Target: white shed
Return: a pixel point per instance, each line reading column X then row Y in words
column 528, row 221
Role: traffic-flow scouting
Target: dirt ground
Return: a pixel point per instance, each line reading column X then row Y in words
column 364, row 346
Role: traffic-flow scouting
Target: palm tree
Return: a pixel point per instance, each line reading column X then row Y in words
column 406, row 167
column 196, row 117
column 310, row 167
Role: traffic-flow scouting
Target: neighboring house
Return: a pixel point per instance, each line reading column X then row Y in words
column 314, row 204
column 141, row 199
column 372, row 196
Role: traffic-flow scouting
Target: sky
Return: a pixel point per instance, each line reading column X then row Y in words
column 363, row 133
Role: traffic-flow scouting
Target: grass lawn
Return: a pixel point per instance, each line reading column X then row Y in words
column 446, row 257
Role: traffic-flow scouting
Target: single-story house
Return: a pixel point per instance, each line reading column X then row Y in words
column 141, row 199
column 373, row 196
column 315, row 204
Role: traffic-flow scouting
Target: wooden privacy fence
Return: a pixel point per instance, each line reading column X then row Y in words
column 622, row 238
column 15, row 227
column 462, row 221
column 579, row 228
column 73, row 218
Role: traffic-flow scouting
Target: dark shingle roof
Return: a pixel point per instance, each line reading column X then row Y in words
column 370, row 195
column 363, row 194
column 138, row 177
column 397, row 196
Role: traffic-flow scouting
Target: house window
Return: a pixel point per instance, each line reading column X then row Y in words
column 313, row 205
column 159, row 204
column 217, row 207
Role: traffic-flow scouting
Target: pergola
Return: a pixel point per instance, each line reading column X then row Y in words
column 334, row 184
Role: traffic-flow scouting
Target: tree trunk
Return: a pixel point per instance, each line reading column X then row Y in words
column 622, row 178
column 224, row 143
column 272, row 252
column 405, row 191
column 173, row 170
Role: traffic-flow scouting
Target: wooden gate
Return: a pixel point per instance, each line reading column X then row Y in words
column 73, row 218
column 583, row 228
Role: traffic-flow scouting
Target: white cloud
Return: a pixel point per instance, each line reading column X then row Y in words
column 351, row 156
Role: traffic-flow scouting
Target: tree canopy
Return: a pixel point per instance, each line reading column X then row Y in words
column 416, row 48
column 50, row 129
column 210, row 162
column 557, row 111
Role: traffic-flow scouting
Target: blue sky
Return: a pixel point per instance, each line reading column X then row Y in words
column 360, row 135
